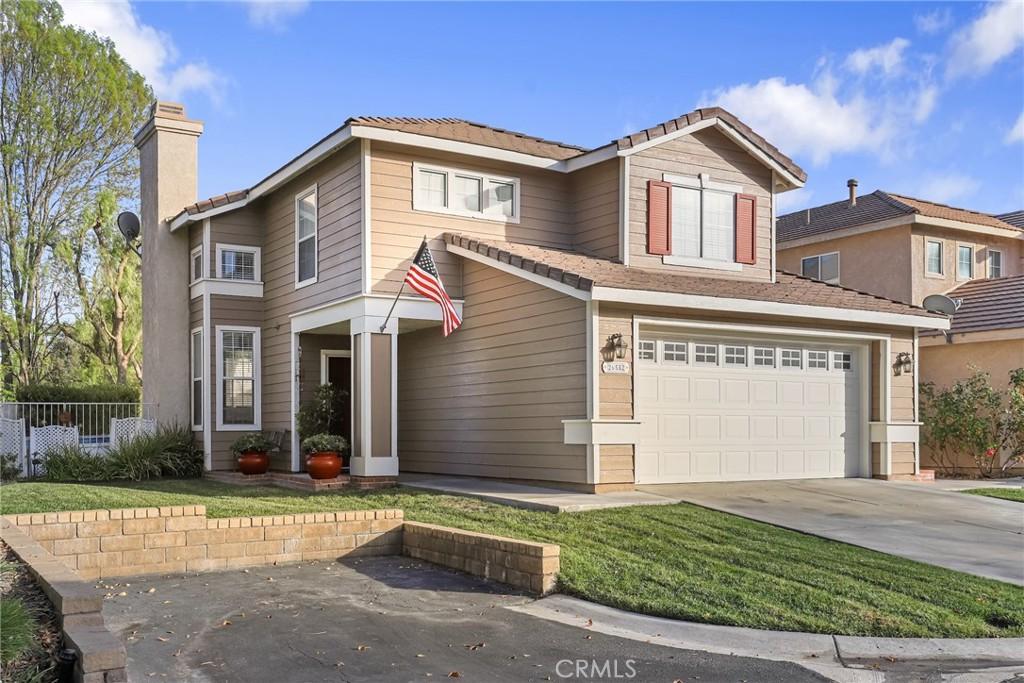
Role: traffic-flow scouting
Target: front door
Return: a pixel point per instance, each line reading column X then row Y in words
column 337, row 371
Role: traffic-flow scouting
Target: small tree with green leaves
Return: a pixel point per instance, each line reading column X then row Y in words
column 1011, row 426
column 962, row 419
column 324, row 414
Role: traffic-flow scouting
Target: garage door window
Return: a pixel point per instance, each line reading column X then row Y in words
column 842, row 360
column 645, row 350
column 674, row 352
column 817, row 360
column 736, row 355
column 705, row 354
column 792, row 358
column 764, row 358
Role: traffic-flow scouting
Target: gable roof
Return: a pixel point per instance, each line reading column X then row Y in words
column 872, row 208
column 463, row 131
column 989, row 304
column 585, row 273
column 1015, row 218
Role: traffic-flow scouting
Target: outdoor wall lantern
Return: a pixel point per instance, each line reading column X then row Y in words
column 904, row 363
column 614, row 348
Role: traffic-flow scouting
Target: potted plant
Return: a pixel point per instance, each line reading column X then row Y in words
column 324, row 459
column 252, row 451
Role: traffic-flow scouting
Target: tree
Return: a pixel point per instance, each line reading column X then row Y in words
column 68, row 108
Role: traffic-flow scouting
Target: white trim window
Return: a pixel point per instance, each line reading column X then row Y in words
column 703, row 221
column 198, row 272
column 674, row 352
column 824, row 267
column 964, row 262
column 995, row 263
column 196, row 364
column 764, row 357
column 306, row 240
column 471, row 194
column 705, row 354
column 933, row 257
column 646, row 350
column 238, row 378
column 238, row 262
column 817, row 360
column 735, row 356
column 792, row 358
column 842, row 360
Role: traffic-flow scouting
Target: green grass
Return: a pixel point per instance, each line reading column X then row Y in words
column 17, row 628
column 1015, row 494
column 678, row 561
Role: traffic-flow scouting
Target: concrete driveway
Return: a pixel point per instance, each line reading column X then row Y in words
column 380, row 619
column 973, row 534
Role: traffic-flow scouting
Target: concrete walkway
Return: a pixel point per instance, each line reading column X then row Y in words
column 973, row 534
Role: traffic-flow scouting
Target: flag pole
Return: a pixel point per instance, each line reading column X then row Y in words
column 400, row 290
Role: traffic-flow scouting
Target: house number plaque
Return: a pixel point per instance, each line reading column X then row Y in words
column 619, row 367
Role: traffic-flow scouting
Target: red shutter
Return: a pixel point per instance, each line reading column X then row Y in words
column 659, row 217
column 746, row 229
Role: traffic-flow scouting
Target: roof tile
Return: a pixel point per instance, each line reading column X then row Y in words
column 988, row 304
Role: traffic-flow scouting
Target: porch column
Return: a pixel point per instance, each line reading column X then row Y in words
column 374, row 400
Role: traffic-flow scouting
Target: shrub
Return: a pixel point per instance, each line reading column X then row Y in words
column 92, row 393
column 254, row 442
column 9, row 470
column 323, row 414
column 168, row 452
column 324, row 443
column 73, row 463
column 17, row 629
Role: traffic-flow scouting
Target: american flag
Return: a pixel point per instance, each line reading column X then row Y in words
column 423, row 278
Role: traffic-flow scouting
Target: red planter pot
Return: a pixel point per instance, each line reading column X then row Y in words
column 254, row 462
column 326, row 465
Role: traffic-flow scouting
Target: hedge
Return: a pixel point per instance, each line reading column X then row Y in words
column 93, row 393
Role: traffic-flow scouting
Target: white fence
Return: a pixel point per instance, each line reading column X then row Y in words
column 30, row 430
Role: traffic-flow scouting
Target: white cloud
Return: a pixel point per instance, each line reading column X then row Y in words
column 787, row 202
column 924, row 105
column 1016, row 133
column 933, row 22
column 886, row 58
column 148, row 50
column 946, row 188
column 993, row 36
column 274, row 13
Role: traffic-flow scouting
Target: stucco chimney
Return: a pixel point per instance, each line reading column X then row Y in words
column 168, row 169
column 852, row 184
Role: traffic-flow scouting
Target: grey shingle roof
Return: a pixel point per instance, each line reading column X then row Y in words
column 990, row 304
column 1015, row 218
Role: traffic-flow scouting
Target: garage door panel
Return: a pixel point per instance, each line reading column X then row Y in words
column 740, row 421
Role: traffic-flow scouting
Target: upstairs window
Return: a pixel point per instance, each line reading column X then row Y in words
column 933, row 257
column 465, row 193
column 238, row 262
column 964, row 262
column 306, row 238
column 824, row 267
column 995, row 263
column 703, row 224
column 197, row 264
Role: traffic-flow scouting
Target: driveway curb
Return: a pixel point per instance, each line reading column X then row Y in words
column 845, row 658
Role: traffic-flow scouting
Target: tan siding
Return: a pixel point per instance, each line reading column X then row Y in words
column 546, row 215
column 490, row 400
column 242, row 227
column 706, row 151
column 903, row 458
column 595, row 193
column 903, row 385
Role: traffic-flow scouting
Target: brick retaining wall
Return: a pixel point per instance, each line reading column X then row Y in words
column 101, row 543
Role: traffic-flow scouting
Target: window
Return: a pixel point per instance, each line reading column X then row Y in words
column 842, row 360
column 674, row 352
column 703, row 219
column 824, row 267
column 465, row 193
column 995, row 263
column 238, row 262
column 964, row 262
column 197, row 264
column 933, row 257
column 736, row 355
column 196, row 362
column 705, row 354
column 817, row 360
column 764, row 358
column 238, row 386
column 792, row 358
column 645, row 350
column 305, row 238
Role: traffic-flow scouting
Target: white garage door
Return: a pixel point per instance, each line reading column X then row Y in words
column 730, row 410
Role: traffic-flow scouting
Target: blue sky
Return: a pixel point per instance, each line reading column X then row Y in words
column 921, row 98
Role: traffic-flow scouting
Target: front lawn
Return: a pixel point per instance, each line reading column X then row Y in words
column 1015, row 494
column 679, row 561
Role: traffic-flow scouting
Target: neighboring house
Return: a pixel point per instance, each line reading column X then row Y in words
column 624, row 321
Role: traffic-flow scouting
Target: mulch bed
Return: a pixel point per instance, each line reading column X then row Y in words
column 38, row 663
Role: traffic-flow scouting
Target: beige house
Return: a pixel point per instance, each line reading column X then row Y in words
column 906, row 249
column 624, row 317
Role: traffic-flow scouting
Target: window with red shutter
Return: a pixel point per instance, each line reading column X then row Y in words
column 746, row 229
column 659, row 217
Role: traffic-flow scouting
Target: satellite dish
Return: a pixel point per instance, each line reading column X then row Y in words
column 940, row 303
column 128, row 224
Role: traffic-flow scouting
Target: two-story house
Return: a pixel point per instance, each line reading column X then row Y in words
column 624, row 318
column 907, row 249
